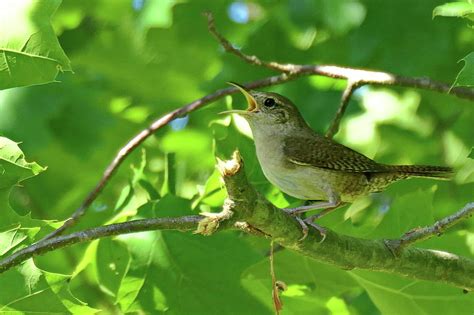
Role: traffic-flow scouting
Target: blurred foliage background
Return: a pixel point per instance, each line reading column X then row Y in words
column 135, row 60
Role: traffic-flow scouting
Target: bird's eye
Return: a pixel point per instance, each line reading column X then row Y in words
column 269, row 102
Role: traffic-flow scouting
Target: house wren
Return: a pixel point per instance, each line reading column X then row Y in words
column 308, row 166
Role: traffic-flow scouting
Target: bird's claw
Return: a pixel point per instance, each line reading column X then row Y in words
column 319, row 228
column 304, row 225
column 304, row 228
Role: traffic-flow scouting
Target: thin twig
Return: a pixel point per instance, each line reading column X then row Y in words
column 385, row 78
column 277, row 303
column 182, row 223
column 424, row 233
column 352, row 74
column 254, row 60
column 346, row 96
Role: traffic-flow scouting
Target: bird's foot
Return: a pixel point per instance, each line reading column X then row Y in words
column 304, row 224
column 321, row 230
column 300, row 209
column 394, row 246
column 304, row 228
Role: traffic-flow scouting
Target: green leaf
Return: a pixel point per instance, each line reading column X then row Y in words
column 466, row 76
column 213, row 192
column 14, row 169
column 29, row 50
column 400, row 217
column 31, row 290
column 311, row 285
column 112, row 263
column 455, row 9
column 131, row 197
column 157, row 13
column 396, row 295
column 169, row 183
column 13, row 237
column 141, row 179
column 13, row 165
column 125, row 196
column 186, row 273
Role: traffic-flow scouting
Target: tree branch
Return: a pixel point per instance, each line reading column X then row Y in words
column 346, row 96
column 253, row 60
column 424, row 233
column 181, row 223
column 340, row 250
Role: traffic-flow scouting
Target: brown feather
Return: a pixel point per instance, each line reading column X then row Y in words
column 324, row 153
column 429, row 171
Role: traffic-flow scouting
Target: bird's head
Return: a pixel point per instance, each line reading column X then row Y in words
column 267, row 109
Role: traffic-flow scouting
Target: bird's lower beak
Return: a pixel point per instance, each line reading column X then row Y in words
column 251, row 102
column 234, row 111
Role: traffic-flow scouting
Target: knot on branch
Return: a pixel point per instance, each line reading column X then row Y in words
column 247, row 210
column 212, row 221
column 244, row 208
column 230, row 167
column 235, row 181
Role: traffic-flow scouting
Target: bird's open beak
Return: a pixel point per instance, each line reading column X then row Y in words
column 251, row 102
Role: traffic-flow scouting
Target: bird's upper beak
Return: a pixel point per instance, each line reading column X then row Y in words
column 251, row 102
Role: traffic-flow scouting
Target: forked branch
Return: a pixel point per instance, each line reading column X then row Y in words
column 424, row 233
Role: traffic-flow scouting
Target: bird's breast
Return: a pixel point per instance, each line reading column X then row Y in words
column 295, row 180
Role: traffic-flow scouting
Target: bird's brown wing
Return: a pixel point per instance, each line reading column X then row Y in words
column 325, row 153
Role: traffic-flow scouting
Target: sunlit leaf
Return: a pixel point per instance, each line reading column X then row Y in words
column 112, row 263
column 390, row 293
column 10, row 238
column 31, row 290
column 466, row 75
column 14, row 169
column 405, row 213
column 29, row 50
column 309, row 289
column 463, row 9
column 186, row 271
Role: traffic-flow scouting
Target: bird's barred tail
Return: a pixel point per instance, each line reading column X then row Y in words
column 437, row 172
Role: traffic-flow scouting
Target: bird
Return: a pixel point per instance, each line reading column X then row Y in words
column 311, row 167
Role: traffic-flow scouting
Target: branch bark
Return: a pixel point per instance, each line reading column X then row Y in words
column 54, row 243
column 424, row 233
column 346, row 96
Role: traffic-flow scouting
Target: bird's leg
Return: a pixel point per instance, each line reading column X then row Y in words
column 333, row 203
column 314, row 206
column 322, row 213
